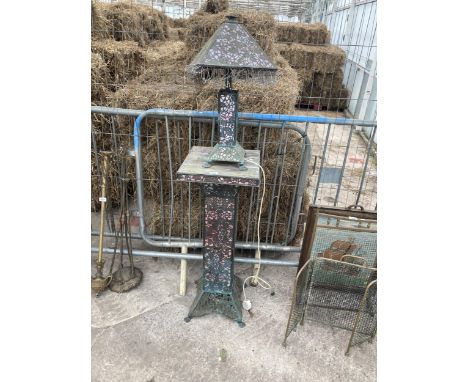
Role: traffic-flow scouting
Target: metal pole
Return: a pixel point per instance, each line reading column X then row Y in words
column 348, row 144
column 245, row 116
column 192, row 256
column 183, row 273
column 302, row 183
column 178, row 242
column 321, row 164
column 365, row 165
column 103, row 200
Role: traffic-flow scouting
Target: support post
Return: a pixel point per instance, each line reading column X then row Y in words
column 183, row 274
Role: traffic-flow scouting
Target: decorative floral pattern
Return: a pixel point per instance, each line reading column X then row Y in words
column 227, row 107
column 218, row 237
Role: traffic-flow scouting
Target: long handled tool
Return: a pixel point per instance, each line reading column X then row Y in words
column 125, row 278
column 99, row 282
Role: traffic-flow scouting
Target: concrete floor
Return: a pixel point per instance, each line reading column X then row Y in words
column 141, row 335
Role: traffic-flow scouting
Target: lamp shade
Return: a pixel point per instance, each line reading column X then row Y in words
column 232, row 47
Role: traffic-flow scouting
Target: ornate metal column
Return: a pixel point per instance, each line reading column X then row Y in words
column 228, row 149
column 219, row 290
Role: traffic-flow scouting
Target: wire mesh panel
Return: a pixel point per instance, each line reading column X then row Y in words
column 337, row 284
column 340, row 234
column 299, row 299
column 336, row 293
column 345, row 239
column 365, row 325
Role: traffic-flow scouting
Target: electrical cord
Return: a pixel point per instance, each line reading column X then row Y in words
column 246, row 304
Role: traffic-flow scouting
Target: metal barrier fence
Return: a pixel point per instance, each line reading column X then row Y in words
column 170, row 211
column 344, row 166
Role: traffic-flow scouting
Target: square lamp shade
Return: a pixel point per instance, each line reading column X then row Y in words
column 232, row 49
column 232, row 53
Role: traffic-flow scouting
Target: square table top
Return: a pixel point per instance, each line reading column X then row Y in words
column 192, row 169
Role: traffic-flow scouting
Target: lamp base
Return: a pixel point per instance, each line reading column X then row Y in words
column 227, row 304
column 230, row 154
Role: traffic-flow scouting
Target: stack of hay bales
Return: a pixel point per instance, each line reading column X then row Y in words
column 121, row 33
column 313, row 34
column 163, row 83
column 124, row 61
column 127, row 21
column 318, row 64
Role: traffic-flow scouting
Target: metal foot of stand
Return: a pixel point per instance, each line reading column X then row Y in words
column 227, row 304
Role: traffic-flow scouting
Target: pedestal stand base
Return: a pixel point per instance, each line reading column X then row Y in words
column 228, row 304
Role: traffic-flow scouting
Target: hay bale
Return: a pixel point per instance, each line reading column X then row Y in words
column 319, row 70
column 314, row 34
column 153, row 94
column 325, row 80
column 164, row 55
column 162, row 83
column 215, row 6
column 114, row 63
column 99, row 80
column 124, row 60
column 127, row 21
column 175, row 34
column 202, row 25
column 325, row 99
column 324, row 90
column 180, row 23
column 307, row 59
column 100, row 25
